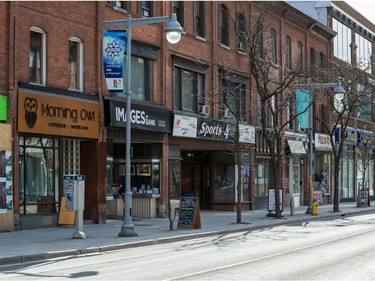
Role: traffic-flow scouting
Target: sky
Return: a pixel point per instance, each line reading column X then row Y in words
column 365, row 7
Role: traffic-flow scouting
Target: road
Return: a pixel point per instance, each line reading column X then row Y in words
column 341, row 249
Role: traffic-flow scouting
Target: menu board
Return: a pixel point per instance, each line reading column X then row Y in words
column 189, row 213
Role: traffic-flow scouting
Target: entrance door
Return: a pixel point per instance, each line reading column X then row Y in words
column 294, row 180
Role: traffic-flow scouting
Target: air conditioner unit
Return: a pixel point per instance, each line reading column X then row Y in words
column 204, row 109
column 240, row 46
column 226, row 113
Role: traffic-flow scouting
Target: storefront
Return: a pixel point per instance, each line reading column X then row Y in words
column 149, row 143
column 58, row 135
column 208, row 167
column 295, row 170
column 323, row 169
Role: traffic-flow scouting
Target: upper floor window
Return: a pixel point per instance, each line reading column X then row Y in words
column 75, row 67
column 241, row 32
column 299, row 56
column 288, row 52
column 125, row 5
column 259, row 50
column 178, row 8
column 224, row 25
column 322, row 61
column 312, row 57
column 342, row 41
column 188, row 85
column 273, row 46
column 233, row 99
column 147, row 8
column 364, row 110
column 199, row 18
column 364, row 52
column 37, row 56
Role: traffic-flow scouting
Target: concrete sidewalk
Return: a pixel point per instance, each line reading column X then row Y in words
column 47, row 243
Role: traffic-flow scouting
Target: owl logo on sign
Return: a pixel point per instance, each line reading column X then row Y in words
column 31, row 107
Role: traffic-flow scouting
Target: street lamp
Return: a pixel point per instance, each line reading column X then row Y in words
column 173, row 34
column 339, row 93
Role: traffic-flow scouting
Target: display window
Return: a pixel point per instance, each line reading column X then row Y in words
column 38, row 175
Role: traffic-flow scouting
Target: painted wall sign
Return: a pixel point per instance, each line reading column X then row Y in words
column 113, row 58
column 57, row 115
column 142, row 117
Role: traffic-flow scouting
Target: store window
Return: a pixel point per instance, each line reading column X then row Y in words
column 346, row 180
column 75, row 67
column 263, row 177
column 38, row 175
column 37, row 56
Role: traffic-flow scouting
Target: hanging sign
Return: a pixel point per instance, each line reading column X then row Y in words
column 113, row 58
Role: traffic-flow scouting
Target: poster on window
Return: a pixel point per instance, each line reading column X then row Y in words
column 6, row 195
column 224, row 188
column 113, row 58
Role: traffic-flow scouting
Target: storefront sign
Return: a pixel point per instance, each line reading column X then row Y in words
column 57, row 115
column 350, row 136
column 113, row 58
column 247, row 134
column 203, row 128
column 3, row 107
column 366, row 139
column 142, row 117
column 185, row 126
column 322, row 142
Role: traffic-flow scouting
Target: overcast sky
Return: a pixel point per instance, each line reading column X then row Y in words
column 365, row 7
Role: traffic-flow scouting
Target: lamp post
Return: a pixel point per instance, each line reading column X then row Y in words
column 339, row 92
column 173, row 33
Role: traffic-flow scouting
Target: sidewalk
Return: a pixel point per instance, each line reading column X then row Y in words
column 47, row 243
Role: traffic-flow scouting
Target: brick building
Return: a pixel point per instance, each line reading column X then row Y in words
column 60, row 113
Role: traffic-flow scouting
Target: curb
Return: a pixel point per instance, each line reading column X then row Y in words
column 108, row 248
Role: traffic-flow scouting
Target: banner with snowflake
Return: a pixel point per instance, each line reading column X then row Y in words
column 114, row 42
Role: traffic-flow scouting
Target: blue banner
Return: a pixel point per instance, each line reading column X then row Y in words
column 114, row 42
column 303, row 100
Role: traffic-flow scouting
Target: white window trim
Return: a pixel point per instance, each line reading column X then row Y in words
column 44, row 54
column 79, row 41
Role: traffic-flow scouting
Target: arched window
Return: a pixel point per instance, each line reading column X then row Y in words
column 37, row 56
column 274, row 46
column 75, row 66
column 288, row 55
column 299, row 56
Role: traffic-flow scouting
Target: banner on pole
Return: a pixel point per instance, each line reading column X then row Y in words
column 303, row 99
column 114, row 42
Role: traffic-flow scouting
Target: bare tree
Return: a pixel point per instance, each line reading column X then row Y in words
column 272, row 85
column 358, row 93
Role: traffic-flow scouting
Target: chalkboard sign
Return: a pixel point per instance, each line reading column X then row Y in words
column 189, row 213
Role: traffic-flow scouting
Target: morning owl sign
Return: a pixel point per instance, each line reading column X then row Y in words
column 57, row 115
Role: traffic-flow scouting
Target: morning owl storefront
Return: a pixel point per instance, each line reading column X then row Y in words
column 57, row 134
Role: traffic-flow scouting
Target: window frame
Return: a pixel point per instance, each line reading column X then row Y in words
column 241, row 31
column 288, row 52
column 178, row 7
column 199, row 18
column 273, row 37
column 43, row 57
column 200, row 72
column 80, row 64
column 224, row 33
